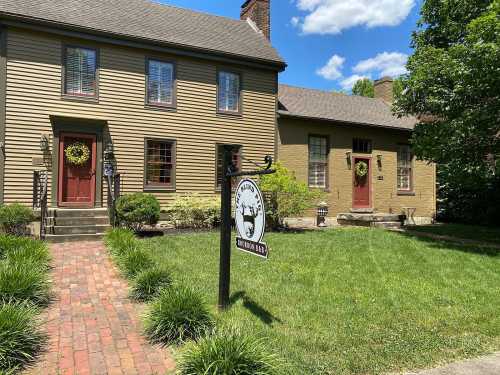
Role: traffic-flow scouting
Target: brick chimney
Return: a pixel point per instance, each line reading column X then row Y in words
column 259, row 11
column 383, row 89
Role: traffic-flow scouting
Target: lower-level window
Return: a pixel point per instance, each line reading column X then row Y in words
column 404, row 168
column 236, row 161
column 160, row 164
column 318, row 162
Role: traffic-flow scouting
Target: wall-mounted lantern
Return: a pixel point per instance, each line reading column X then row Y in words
column 44, row 143
column 109, row 160
column 322, row 214
column 379, row 162
column 348, row 159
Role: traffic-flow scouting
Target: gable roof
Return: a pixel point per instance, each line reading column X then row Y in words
column 331, row 106
column 149, row 22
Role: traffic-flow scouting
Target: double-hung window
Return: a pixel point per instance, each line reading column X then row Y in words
column 318, row 162
column 236, row 158
column 80, row 72
column 160, row 83
column 404, row 175
column 228, row 92
column 160, row 164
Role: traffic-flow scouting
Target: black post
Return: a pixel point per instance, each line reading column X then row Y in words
column 225, row 229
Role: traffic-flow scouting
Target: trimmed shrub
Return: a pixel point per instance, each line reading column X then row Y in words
column 134, row 211
column 20, row 338
column 14, row 218
column 227, row 353
column 134, row 261
column 194, row 211
column 148, row 283
column 24, row 250
column 120, row 241
column 177, row 315
column 21, row 282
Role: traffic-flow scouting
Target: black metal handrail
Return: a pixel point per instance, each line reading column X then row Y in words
column 113, row 195
column 40, row 198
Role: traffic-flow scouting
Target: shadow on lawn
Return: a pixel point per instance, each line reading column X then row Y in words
column 264, row 315
column 473, row 247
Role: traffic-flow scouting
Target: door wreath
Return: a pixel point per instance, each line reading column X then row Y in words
column 77, row 153
column 361, row 169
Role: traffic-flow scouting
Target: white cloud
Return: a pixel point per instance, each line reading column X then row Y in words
column 295, row 21
column 333, row 68
column 384, row 64
column 333, row 16
column 349, row 82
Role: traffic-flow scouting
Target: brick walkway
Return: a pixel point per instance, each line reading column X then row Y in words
column 93, row 327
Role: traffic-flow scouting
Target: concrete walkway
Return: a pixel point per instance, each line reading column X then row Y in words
column 487, row 365
column 93, row 328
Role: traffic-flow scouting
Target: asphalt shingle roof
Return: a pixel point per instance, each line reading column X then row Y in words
column 152, row 22
column 331, row 106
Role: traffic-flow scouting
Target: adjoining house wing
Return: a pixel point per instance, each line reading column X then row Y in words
column 331, row 106
column 150, row 22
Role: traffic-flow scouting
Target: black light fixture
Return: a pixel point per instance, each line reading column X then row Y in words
column 379, row 162
column 348, row 159
column 44, row 143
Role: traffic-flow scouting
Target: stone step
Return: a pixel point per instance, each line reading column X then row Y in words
column 73, row 221
column 58, row 238
column 79, row 229
column 380, row 217
column 78, row 212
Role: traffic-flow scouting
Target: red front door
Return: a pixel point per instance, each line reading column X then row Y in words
column 361, row 188
column 77, row 180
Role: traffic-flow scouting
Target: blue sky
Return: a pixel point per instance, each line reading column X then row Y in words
column 328, row 44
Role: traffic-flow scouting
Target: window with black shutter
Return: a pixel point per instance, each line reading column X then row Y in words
column 80, row 72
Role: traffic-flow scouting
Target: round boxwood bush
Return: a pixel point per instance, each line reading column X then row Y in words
column 24, row 282
column 134, row 211
column 14, row 218
column 20, row 337
column 178, row 314
column 227, row 353
column 134, row 261
column 120, row 241
column 148, row 283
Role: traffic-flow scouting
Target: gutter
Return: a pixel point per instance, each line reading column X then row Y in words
column 43, row 25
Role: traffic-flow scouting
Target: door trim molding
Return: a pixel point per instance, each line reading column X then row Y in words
column 60, row 181
column 80, row 126
column 370, row 195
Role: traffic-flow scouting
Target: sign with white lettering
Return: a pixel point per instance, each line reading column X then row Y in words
column 250, row 218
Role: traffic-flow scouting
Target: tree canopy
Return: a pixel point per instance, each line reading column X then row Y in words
column 363, row 87
column 453, row 82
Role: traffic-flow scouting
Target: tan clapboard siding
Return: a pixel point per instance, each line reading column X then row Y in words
column 34, row 94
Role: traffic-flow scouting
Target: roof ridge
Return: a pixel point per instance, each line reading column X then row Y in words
column 157, row 2
column 334, row 93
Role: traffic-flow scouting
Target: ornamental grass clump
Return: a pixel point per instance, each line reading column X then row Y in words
column 24, row 250
column 20, row 337
column 15, row 217
column 134, row 261
column 228, row 353
column 24, row 282
column 149, row 283
column 177, row 315
column 120, row 241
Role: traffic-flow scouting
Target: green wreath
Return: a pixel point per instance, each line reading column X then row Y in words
column 77, row 153
column 361, row 169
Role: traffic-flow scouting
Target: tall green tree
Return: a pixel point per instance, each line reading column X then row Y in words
column 363, row 87
column 453, row 82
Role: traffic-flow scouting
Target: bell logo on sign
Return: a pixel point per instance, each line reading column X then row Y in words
column 250, row 218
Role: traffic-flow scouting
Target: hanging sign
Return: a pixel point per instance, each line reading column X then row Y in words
column 250, row 218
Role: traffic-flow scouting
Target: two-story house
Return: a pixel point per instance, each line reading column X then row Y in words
column 162, row 88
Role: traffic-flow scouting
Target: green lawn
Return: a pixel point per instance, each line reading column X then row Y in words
column 352, row 301
column 469, row 232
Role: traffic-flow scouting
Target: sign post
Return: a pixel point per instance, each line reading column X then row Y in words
column 249, row 218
